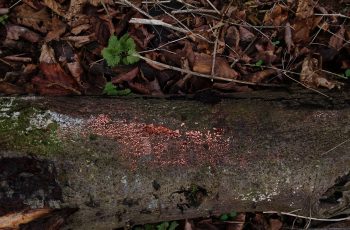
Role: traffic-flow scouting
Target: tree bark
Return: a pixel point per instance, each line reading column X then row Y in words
column 125, row 161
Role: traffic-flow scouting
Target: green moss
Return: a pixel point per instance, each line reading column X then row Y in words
column 27, row 129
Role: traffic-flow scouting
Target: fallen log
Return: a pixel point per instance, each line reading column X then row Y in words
column 123, row 161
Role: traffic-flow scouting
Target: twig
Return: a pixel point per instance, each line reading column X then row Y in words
column 156, row 22
column 212, row 6
column 309, row 218
column 338, row 145
column 193, row 11
column 159, row 47
column 333, row 15
column 15, row 4
column 136, row 8
column 204, row 75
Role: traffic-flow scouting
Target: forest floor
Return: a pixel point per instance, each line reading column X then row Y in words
column 177, row 47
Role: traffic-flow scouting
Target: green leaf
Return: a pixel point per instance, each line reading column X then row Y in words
column 233, row 214
column 163, row 226
column 347, row 73
column 173, row 225
column 224, row 217
column 113, row 43
column 275, row 43
column 130, row 44
column 149, row 227
column 132, row 59
column 110, row 89
column 112, row 58
column 259, row 63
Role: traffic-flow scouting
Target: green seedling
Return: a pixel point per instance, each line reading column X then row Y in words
column 228, row 216
column 347, row 73
column 259, row 63
column 121, row 50
column 275, row 43
column 111, row 90
column 3, row 19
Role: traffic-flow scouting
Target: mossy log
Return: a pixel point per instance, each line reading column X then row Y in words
column 124, row 161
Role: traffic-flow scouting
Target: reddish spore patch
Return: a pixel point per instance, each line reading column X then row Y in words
column 157, row 145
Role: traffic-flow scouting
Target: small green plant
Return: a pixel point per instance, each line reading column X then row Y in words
column 3, row 19
column 121, row 50
column 275, row 43
column 228, row 216
column 111, row 90
column 347, row 73
column 259, row 63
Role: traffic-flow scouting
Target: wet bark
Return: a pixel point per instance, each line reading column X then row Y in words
column 127, row 161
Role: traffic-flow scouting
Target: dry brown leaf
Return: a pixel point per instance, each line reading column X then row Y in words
column 126, row 77
column 16, row 32
column 305, row 9
column 337, row 40
column 79, row 41
column 276, row 16
column 38, row 20
column 9, row 89
column 232, row 37
column 203, row 64
column 262, row 75
column 55, row 81
column 55, row 7
column 302, row 28
column 245, row 35
column 57, row 29
column 76, row 70
column 311, row 76
column 275, row 224
column 14, row 220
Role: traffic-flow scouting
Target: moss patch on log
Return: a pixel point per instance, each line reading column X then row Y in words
column 26, row 128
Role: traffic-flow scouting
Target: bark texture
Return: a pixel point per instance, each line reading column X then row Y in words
column 137, row 160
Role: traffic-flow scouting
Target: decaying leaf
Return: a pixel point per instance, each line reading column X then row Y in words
column 305, row 9
column 262, row 75
column 311, row 76
column 337, row 40
column 38, row 20
column 276, row 16
column 16, row 32
column 57, row 29
column 126, row 77
column 14, row 220
column 203, row 64
column 55, row 81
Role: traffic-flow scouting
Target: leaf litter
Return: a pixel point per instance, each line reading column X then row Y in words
column 184, row 46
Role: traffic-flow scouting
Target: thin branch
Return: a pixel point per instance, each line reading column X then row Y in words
column 335, row 147
column 212, row 6
column 205, row 75
column 334, row 15
column 155, row 22
column 308, row 218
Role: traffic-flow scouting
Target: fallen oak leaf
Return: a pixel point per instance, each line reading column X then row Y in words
column 55, row 81
column 337, row 40
column 312, row 77
column 203, row 64
column 262, row 75
column 126, row 77
column 276, row 16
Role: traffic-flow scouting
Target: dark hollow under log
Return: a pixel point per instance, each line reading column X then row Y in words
column 135, row 160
